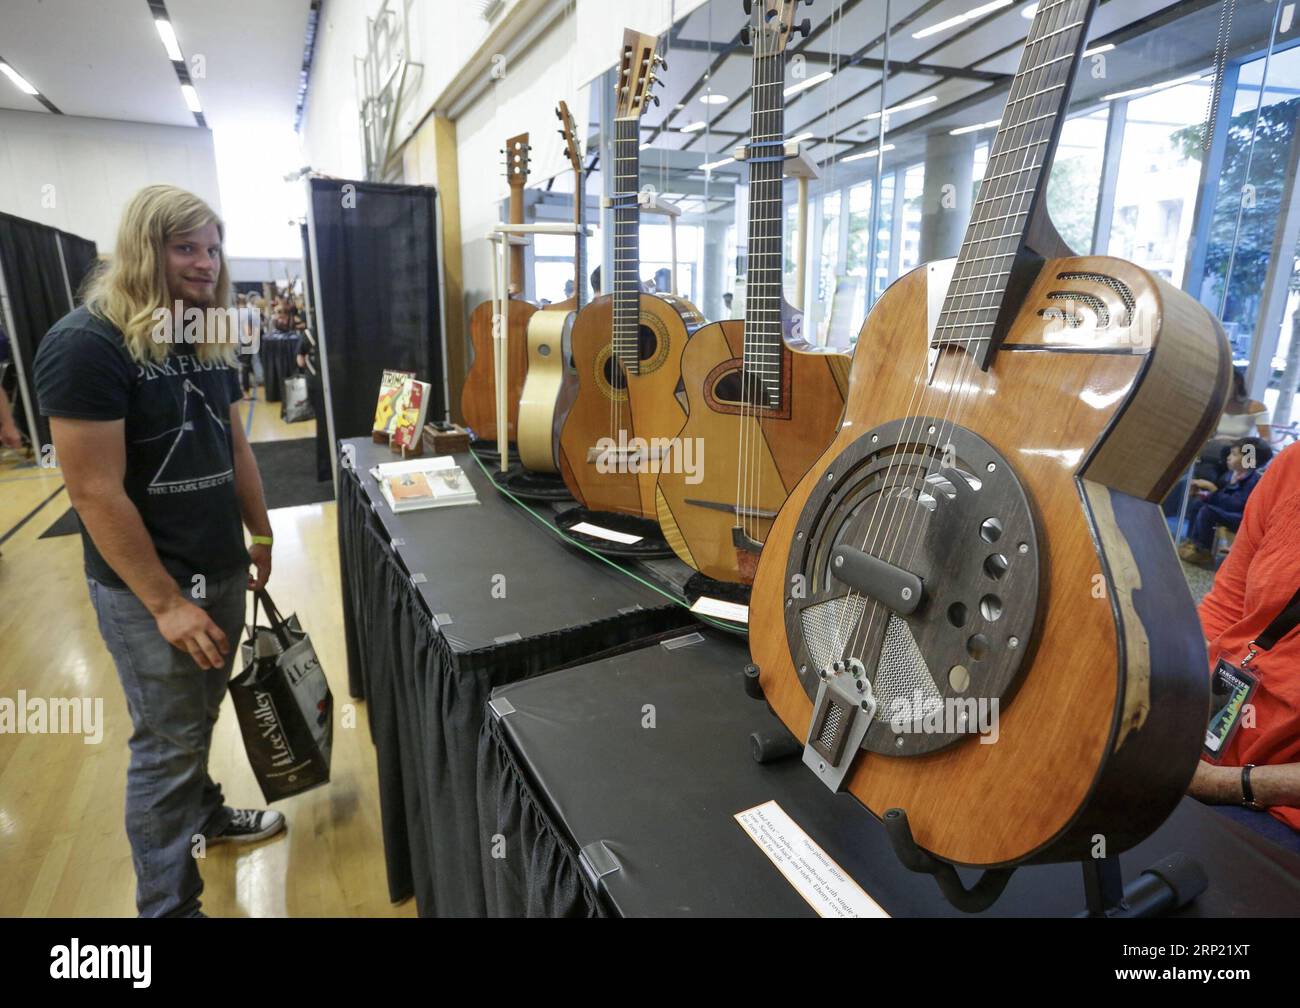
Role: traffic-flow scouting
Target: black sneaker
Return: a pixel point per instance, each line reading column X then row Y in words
column 248, row 825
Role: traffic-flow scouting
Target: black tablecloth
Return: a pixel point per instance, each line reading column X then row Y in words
column 279, row 361
column 440, row 606
column 572, row 787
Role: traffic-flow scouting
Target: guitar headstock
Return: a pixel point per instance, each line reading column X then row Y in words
column 516, row 154
column 569, row 130
column 636, row 75
column 770, row 25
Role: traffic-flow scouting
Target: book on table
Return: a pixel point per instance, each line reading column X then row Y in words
column 424, row 483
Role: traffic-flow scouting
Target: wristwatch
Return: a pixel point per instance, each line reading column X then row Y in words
column 1247, row 792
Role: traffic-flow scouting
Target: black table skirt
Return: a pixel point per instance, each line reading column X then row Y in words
column 565, row 771
column 279, row 361
column 426, row 689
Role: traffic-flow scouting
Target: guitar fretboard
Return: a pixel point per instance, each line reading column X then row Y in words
column 627, row 252
column 763, row 285
column 1014, row 179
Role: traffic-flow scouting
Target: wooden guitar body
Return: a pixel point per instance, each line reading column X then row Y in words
column 1099, row 732
column 698, row 511
column 543, row 385
column 614, row 407
column 478, row 395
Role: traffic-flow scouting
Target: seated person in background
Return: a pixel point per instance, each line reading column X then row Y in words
column 1242, row 417
column 1225, row 502
column 1254, row 777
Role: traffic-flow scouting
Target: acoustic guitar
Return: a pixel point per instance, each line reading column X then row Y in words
column 627, row 346
column 478, row 403
column 969, row 609
column 552, row 383
column 762, row 402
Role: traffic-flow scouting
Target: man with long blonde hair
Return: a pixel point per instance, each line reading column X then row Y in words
column 141, row 387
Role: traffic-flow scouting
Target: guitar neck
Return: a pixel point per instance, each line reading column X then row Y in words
column 627, row 250
column 763, row 284
column 579, row 241
column 976, row 310
column 516, row 251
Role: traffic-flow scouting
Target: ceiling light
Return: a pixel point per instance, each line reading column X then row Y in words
column 168, row 35
column 867, row 154
column 716, row 164
column 970, row 15
column 974, row 129
column 904, row 107
column 803, row 85
column 1100, row 49
column 801, row 136
column 1029, row 11
column 693, row 127
column 714, row 99
column 1154, row 87
column 19, row 80
column 191, row 98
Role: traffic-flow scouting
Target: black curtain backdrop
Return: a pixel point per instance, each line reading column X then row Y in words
column 29, row 256
column 80, row 255
column 376, row 251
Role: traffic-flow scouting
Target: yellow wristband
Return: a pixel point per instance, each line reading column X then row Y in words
column 261, row 540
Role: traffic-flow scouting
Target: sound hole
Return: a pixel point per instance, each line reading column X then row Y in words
column 959, row 678
column 991, row 607
column 731, row 388
column 647, row 343
column 995, row 566
column 991, row 530
column 978, row 646
column 957, row 615
column 614, row 375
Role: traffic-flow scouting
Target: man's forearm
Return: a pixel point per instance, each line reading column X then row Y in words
column 248, row 488
column 118, row 531
column 1272, row 785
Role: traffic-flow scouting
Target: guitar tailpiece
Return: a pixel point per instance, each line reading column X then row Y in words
column 982, row 895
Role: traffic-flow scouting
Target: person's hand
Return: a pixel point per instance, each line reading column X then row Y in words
column 1203, row 484
column 189, row 628
column 259, row 555
column 11, row 437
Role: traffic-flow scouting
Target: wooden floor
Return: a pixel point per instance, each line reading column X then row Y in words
column 63, row 848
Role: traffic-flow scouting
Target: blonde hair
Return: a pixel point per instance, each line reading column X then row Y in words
column 132, row 290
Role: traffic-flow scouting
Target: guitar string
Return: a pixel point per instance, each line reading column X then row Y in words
column 980, row 219
column 1014, row 140
column 887, row 507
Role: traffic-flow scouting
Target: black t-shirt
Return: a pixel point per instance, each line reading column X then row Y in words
column 180, row 471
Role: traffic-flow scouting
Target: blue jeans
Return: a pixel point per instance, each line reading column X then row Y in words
column 173, row 705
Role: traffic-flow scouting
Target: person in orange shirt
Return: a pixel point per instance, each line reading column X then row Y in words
column 1254, row 776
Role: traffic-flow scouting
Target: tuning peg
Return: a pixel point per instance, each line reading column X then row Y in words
column 744, row 35
column 804, row 27
column 655, row 98
column 660, row 62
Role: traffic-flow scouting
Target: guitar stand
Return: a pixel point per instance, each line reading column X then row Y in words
column 531, row 486
column 1168, row 885
column 650, row 544
column 698, row 586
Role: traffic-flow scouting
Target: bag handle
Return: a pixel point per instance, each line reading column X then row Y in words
column 278, row 626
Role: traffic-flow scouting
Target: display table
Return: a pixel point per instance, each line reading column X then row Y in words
column 590, row 813
column 279, row 361
column 440, row 606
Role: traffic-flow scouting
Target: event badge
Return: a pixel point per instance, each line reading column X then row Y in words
column 1230, row 690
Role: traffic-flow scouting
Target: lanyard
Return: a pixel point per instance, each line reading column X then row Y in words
column 1283, row 623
